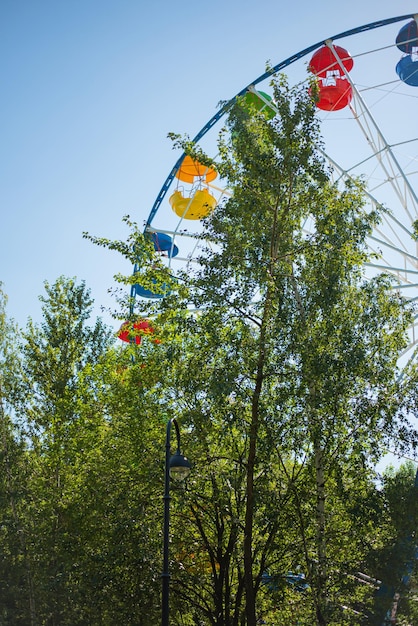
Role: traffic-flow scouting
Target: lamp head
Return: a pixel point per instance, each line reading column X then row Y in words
column 179, row 467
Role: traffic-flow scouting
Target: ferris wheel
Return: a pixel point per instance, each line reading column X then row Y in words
column 368, row 102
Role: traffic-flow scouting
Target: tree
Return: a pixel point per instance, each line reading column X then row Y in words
column 286, row 378
column 61, row 413
column 316, row 323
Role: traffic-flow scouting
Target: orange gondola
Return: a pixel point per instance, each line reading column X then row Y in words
column 191, row 169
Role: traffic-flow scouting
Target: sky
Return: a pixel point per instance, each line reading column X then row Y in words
column 90, row 90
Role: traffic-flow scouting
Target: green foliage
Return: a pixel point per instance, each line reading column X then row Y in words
column 88, row 488
column 286, row 380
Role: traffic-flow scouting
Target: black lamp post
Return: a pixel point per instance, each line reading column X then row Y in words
column 178, row 468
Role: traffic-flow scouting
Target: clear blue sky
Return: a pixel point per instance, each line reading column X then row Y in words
column 90, row 90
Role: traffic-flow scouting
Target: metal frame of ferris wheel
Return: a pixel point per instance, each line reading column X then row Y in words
column 388, row 238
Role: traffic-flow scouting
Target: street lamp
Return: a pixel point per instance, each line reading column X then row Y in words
column 178, row 468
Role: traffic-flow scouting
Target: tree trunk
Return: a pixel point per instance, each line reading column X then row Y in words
column 250, row 594
column 249, row 516
column 321, row 574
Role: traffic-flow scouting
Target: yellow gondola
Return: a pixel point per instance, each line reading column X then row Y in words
column 200, row 205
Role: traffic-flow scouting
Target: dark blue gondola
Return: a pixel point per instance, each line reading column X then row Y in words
column 407, row 38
